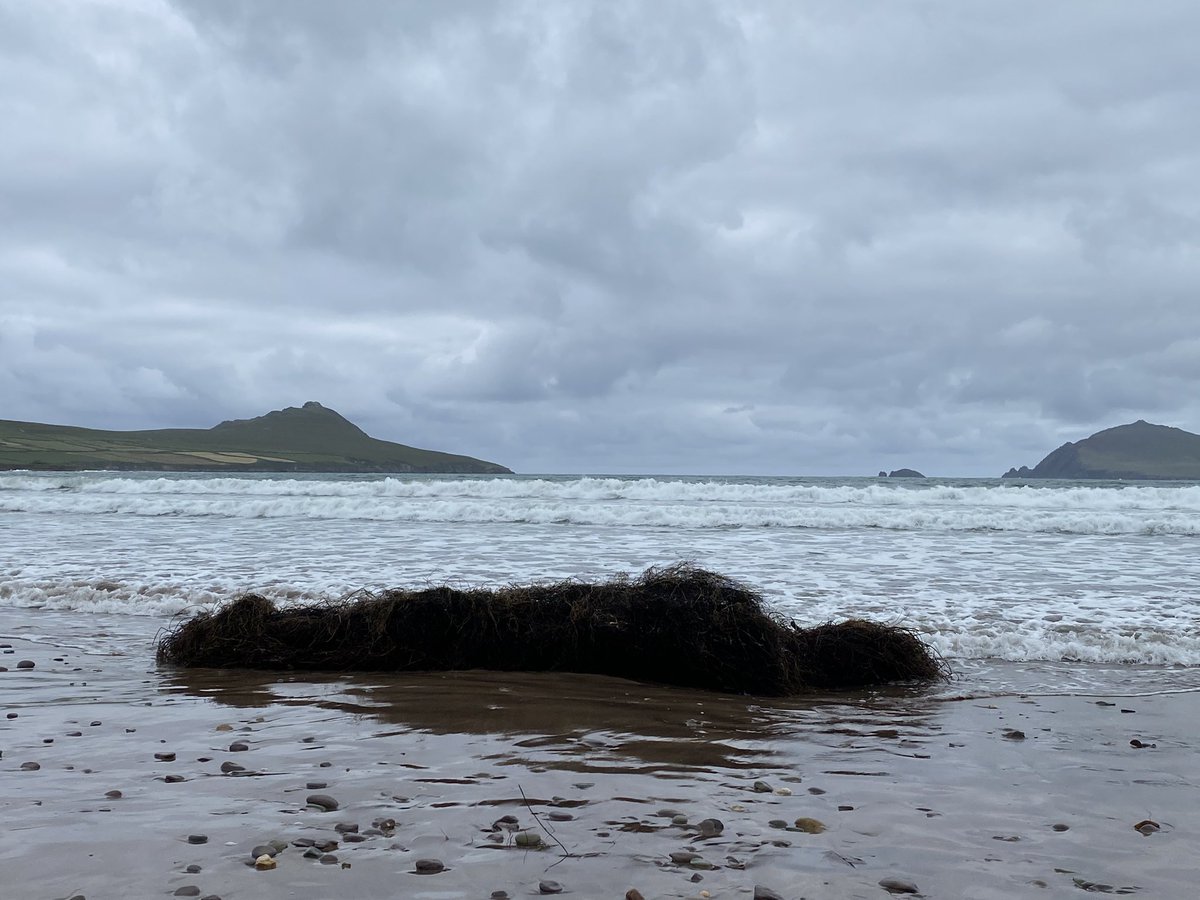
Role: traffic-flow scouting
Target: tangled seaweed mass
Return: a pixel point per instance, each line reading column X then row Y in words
column 677, row 625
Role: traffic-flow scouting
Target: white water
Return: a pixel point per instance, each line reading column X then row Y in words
column 1094, row 573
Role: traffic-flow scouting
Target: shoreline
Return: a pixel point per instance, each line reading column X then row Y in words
column 958, row 796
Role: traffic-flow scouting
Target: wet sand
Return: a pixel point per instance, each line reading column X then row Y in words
column 948, row 791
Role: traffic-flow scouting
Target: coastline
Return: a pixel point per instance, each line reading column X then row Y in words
column 933, row 789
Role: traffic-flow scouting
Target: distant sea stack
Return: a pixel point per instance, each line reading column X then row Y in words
column 311, row 438
column 901, row 473
column 1139, row 451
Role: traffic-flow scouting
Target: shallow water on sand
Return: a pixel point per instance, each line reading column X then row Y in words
column 957, row 789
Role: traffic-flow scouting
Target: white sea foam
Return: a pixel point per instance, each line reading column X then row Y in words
column 1099, row 574
column 643, row 502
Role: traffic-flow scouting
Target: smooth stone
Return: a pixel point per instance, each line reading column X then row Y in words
column 345, row 827
column 355, row 838
column 778, row 823
column 711, row 827
column 429, row 866
column 312, row 853
column 328, row 859
column 211, row 897
column 322, row 801
column 11, row 715
column 683, row 856
column 668, row 813
column 898, row 886
column 762, row 892
column 197, row 838
column 113, row 795
column 192, row 869
column 547, row 886
column 326, row 846
column 165, row 757
column 317, row 785
column 508, row 823
column 528, row 839
column 266, row 861
column 30, row 766
column 499, row 895
column 810, row 826
column 303, row 842
column 230, row 767
column 279, row 846
column 560, row 817
column 1059, row 826
column 761, row 787
column 188, row 890
column 25, row 664
column 700, row 863
column 679, row 820
column 173, row 779
column 262, row 850
column 238, row 747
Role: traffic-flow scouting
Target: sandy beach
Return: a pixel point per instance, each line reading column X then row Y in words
column 119, row 779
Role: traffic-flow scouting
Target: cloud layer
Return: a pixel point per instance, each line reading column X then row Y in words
column 765, row 237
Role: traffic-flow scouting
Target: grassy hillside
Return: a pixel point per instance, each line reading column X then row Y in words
column 307, row 439
column 1139, row 450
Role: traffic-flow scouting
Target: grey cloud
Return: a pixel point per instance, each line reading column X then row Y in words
column 764, row 237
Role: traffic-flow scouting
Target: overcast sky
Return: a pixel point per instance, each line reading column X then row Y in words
column 773, row 236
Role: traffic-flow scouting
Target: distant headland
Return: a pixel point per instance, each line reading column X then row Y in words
column 310, row 438
column 1138, row 451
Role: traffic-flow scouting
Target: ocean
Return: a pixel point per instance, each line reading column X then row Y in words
column 1075, row 586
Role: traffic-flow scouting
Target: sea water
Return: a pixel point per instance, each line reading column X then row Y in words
column 1085, row 585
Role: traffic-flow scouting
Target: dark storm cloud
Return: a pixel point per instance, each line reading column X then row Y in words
column 681, row 236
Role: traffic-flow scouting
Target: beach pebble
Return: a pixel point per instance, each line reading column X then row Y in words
column 328, row 860
column 188, row 890
column 783, row 792
column 224, row 726
column 898, row 886
column 547, row 886
column 428, row 866
column 322, row 801
column 556, row 816
column 778, row 823
column 197, row 838
column 528, row 839
column 668, row 813
column 313, row 853
column 10, row 715
column 499, row 895
column 326, row 846
column 1060, row 826
column 279, row 846
column 192, row 869
column 683, row 856
column 30, row 766
column 1147, row 827
column 238, row 747
column 761, row 787
column 711, row 827
column 345, row 827
column 317, row 785
column 699, row 862
column 1013, row 734
column 231, row 767
column 266, row 861
column 173, row 779
column 25, row 664
column 263, row 850
column 634, row 894
column 679, row 820
column 507, row 823
column 765, row 893
column 165, row 756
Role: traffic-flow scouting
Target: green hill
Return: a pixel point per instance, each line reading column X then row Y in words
column 311, row 438
column 1138, row 451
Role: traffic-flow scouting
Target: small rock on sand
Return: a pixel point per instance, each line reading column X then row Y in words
column 898, row 886
column 547, row 886
column 765, row 893
column 429, row 866
column 322, row 801
column 711, row 827
column 188, row 890
column 197, row 838
column 30, row 766
column 26, row 664
column 634, row 894
column 238, row 747
column 165, row 756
